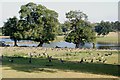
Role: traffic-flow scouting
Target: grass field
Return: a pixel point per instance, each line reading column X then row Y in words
column 112, row 37
column 70, row 68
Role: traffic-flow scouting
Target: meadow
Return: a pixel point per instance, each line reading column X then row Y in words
column 112, row 37
column 64, row 62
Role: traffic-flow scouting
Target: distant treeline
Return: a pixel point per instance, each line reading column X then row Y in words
column 102, row 28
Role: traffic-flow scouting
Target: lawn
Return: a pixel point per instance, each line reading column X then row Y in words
column 70, row 66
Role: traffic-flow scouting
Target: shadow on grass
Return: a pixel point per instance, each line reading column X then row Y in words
column 42, row 65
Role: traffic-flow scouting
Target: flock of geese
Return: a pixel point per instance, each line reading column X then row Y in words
column 99, row 58
column 90, row 58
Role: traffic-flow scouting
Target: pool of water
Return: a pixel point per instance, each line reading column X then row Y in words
column 66, row 44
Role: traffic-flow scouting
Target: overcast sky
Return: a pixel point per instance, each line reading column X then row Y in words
column 96, row 11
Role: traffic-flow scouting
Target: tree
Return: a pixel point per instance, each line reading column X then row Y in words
column 23, row 28
column 66, row 27
column 103, row 28
column 116, row 26
column 11, row 29
column 81, row 30
column 42, row 22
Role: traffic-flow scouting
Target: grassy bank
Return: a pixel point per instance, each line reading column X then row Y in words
column 112, row 37
column 71, row 58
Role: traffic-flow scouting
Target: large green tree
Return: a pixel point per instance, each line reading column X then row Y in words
column 42, row 22
column 11, row 29
column 81, row 31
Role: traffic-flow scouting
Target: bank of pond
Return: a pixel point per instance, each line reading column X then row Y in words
column 61, row 44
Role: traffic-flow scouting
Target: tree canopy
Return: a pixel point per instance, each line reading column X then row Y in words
column 11, row 29
column 103, row 28
column 81, row 30
column 42, row 22
column 116, row 26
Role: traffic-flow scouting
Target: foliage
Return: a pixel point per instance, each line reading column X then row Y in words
column 66, row 26
column 103, row 28
column 42, row 22
column 11, row 29
column 81, row 30
column 116, row 26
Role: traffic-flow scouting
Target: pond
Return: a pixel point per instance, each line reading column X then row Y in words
column 64, row 44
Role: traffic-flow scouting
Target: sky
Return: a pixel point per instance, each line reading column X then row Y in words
column 106, row 10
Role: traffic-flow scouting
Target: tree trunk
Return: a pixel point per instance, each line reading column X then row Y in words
column 77, row 45
column 40, row 44
column 15, row 42
column 94, row 46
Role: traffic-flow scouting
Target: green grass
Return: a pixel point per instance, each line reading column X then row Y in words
column 42, row 64
column 66, row 54
column 112, row 37
column 59, row 38
column 71, row 58
column 107, row 40
column 0, row 34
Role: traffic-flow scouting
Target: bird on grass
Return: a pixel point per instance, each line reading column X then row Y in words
column 106, row 54
column 104, row 61
column 39, row 55
column 2, row 56
column 100, row 60
column 81, row 61
column 98, row 54
column 50, row 58
column 61, row 60
column 85, row 59
column 91, row 61
column 30, row 60
column 110, row 53
column 11, row 60
column 35, row 55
